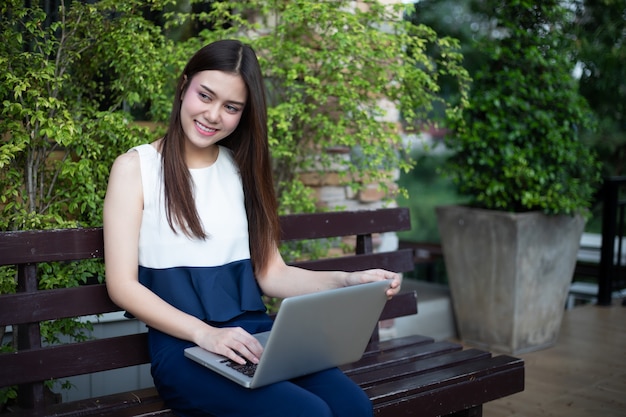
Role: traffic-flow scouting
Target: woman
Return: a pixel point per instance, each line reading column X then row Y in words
column 191, row 239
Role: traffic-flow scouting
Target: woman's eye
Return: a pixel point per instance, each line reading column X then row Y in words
column 232, row 109
column 204, row 96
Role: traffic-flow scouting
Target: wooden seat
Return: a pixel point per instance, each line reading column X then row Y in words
column 412, row 375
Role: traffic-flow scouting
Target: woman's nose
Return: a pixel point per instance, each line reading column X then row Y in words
column 211, row 113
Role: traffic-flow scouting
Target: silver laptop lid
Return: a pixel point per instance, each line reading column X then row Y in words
column 321, row 330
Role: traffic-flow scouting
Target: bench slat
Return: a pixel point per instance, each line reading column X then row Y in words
column 32, row 246
column 86, row 243
column 22, row 308
column 448, row 390
column 403, row 304
column 373, row 348
column 467, row 371
column 43, row 305
column 344, row 223
column 397, row 261
column 425, row 359
column 384, row 358
column 71, row 359
column 142, row 402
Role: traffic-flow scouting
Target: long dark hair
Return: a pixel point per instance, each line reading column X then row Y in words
column 248, row 142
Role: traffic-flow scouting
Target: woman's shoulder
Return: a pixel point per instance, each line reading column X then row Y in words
column 135, row 160
column 125, row 177
column 146, row 155
column 127, row 161
column 146, row 149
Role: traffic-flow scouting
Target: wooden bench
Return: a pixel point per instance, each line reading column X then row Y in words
column 410, row 375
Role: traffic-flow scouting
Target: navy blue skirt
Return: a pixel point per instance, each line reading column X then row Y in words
column 191, row 390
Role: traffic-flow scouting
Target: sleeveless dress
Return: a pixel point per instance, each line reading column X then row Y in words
column 213, row 279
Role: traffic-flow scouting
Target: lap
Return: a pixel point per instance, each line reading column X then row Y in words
column 192, row 390
column 195, row 391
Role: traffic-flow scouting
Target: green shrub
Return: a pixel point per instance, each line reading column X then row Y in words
column 66, row 86
column 518, row 147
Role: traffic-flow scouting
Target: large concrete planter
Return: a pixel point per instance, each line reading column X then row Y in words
column 509, row 274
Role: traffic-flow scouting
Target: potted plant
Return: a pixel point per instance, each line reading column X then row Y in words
column 510, row 252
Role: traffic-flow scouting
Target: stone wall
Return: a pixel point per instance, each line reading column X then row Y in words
column 330, row 193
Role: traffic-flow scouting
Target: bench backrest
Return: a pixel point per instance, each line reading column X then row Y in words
column 33, row 363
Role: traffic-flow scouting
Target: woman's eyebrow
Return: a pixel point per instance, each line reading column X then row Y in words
column 213, row 93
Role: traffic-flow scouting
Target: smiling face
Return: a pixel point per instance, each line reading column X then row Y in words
column 211, row 109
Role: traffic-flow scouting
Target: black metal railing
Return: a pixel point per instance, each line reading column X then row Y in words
column 611, row 274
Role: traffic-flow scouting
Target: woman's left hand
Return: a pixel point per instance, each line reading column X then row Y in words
column 370, row 275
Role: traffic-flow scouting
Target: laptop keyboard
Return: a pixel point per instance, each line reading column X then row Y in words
column 247, row 369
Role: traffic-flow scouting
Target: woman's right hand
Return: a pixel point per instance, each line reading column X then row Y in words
column 232, row 342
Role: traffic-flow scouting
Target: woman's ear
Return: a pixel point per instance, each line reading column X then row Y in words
column 183, row 86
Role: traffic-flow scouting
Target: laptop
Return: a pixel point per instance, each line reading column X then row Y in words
column 311, row 333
